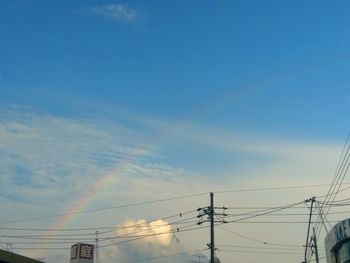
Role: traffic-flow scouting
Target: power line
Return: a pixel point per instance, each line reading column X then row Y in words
column 124, row 241
column 300, row 248
column 160, row 200
column 259, row 252
column 189, row 224
column 266, row 211
column 338, row 178
column 270, row 188
column 104, row 208
column 189, row 221
column 95, row 228
column 156, row 234
column 161, row 257
column 265, row 243
column 186, row 224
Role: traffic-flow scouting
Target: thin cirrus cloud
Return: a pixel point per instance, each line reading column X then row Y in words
column 49, row 152
column 49, row 162
column 121, row 13
column 46, row 152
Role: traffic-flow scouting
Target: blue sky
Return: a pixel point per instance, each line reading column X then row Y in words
column 178, row 59
column 228, row 94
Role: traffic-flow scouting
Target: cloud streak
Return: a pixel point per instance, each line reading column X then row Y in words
column 121, row 13
column 48, row 161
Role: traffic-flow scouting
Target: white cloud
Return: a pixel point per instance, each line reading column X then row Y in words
column 161, row 242
column 119, row 12
column 60, row 159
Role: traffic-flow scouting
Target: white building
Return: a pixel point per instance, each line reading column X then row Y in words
column 337, row 243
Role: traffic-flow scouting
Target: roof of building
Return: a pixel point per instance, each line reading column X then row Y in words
column 10, row 257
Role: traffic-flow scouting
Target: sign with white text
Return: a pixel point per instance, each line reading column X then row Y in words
column 82, row 253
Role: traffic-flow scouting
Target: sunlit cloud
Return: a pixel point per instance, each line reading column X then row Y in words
column 152, row 240
column 155, row 232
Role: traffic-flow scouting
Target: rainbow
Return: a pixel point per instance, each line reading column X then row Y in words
column 82, row 202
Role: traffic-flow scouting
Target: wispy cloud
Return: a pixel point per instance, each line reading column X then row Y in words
column 48, row 161
column 122, row 13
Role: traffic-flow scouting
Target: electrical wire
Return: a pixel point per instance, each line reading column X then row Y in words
column 164, row 256
column 185, row 225
column 157, row 201
column 267, row 211
column 338, row 178
column 262, row 248
column 99, row 228
column 257, row 240
column 269, row 188
column 53, row 239
column 104, row 208
column 259, row 252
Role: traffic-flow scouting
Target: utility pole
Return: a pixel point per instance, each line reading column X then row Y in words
column 97, row 249
column 312, row 200
column 314, row 238
column 210, row 213
column 212, row 244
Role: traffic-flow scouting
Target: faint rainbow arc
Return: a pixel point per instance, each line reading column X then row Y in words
column 80, row 203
